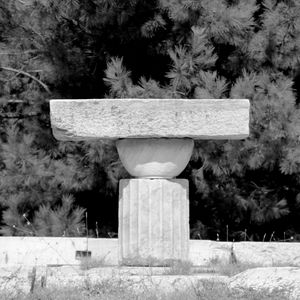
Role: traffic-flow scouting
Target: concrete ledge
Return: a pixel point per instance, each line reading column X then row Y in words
column 29, row 251
column 87, row 119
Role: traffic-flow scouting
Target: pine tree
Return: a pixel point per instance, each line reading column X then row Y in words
column 150, row 49
column 52, row 49
column 239, row 183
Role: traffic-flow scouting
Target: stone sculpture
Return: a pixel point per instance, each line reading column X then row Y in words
column 154, row 139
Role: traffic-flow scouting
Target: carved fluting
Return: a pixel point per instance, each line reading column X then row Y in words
column 153, row 220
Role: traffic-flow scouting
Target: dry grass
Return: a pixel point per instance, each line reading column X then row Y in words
column 179, row 267
column 90, row 263
column 213, row 290
column 146, row 261
column 230, row 269
column 114, row 290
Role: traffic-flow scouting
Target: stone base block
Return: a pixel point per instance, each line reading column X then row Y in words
column 153, row 221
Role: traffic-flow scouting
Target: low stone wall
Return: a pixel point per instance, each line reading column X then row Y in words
column 28, row 251
column 54, row 250
column 203, row 252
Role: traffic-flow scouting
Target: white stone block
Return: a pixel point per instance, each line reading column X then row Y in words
column 272, row 279
column 155, row 158
column 86, row 119
column 153, row 220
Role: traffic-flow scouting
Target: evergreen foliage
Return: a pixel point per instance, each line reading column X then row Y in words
column 150, row 49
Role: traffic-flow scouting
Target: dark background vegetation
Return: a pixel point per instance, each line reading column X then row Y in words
column 150, row 49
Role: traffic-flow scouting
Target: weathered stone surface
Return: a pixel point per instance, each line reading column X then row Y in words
column 202, row 252
column 153, row 220
column 150, row 118
column 155, row 158
column 268, row 253
column 286, row 280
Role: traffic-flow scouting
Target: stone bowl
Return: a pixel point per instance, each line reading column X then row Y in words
column 155, row 158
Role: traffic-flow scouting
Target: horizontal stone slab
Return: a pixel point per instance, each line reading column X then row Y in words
column 87, row 119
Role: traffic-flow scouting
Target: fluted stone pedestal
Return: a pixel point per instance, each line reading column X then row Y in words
column 153, row 220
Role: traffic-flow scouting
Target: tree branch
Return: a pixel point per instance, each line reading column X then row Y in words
column 28, row 75
column 18, row 115
column 20, row 52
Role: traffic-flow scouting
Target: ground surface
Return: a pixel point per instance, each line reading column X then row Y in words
column 61, row 282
